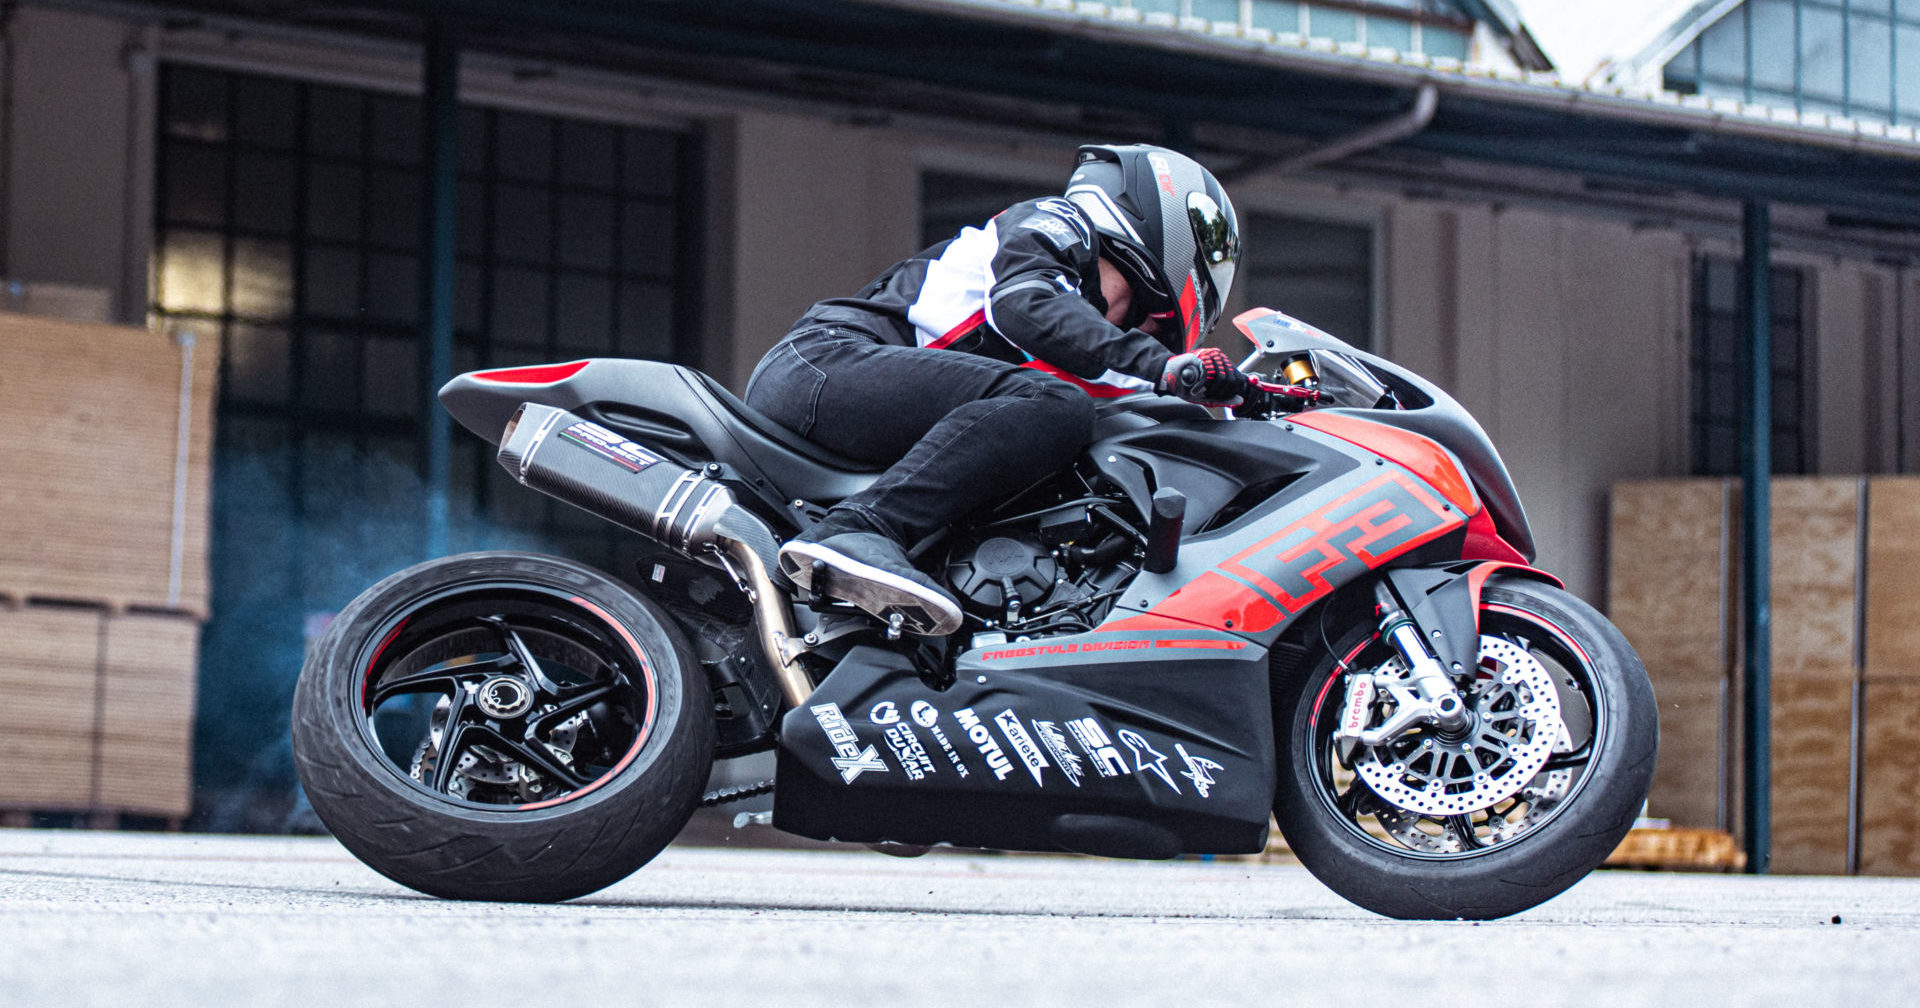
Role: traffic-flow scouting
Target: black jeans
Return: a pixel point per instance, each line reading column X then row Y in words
column 956, row 431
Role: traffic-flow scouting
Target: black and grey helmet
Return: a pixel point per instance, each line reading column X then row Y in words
column 1167, row 224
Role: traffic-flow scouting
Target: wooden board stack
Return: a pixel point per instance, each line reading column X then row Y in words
column 103, row 564
column 1845, row 659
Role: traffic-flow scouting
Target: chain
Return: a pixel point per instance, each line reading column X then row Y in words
column 725, row 795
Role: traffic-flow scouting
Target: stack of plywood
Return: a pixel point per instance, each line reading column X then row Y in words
column 1845, row 659
column 1672, row 595
column 103, row 563
column 1890, row 749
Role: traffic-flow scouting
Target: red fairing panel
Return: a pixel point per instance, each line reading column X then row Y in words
column 543, row 374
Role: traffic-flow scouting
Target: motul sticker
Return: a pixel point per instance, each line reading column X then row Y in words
column 852, row 761
column 983, row 740
column 629, row 455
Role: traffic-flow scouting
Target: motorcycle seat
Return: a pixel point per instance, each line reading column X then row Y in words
column 799, row 468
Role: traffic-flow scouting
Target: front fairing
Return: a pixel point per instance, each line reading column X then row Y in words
column 1415, row 404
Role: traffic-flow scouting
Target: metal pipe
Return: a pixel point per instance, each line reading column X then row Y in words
column 441, row 111
column 1425, row 102
column 1756, row 518
column 771, row 618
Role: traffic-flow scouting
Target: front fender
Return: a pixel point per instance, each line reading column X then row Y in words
column 1443, row 601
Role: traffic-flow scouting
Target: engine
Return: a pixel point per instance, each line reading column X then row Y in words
column 1054, row 571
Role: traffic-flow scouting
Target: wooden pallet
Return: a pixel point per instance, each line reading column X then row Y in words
column 1678, row 847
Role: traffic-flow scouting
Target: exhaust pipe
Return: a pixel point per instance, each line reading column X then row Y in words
column 619, row 479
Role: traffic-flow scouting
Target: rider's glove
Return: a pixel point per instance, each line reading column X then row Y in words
column 1207, row 377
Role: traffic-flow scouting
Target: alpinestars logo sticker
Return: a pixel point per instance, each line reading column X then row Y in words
column 1063, row 757
column 1141, row 748
column 1107, row 761
column 852, row 761
column 1199, row 770
column 1023, row 744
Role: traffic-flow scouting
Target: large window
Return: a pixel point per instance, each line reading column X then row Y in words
column 1857, row 58
column 288, row 226
column 1719, row 367
column 1432, row 27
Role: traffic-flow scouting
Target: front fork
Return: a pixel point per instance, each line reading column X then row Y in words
column 1425, row 697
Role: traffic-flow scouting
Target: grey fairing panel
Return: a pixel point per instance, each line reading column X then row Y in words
column 675, row 410
column 1441, row 418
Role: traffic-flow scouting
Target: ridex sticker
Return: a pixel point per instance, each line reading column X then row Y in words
column 852, row 761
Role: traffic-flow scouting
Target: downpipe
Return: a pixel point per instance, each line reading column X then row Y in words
column 607, row 474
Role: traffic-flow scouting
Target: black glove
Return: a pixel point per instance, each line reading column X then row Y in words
column 1207, row 377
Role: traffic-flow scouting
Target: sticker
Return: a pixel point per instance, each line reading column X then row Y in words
column 1058, row 220
column 885, row 712
column 1023, row 744
column 907, row 749
column 1141, row 747
column 852, row 761
column 1107, row 761
column 1199, row 770
column 982, row 739
column 609, row 445
column 927, row 716
column 1063, row 756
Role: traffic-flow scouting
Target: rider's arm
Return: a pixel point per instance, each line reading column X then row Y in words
column 1045, row 268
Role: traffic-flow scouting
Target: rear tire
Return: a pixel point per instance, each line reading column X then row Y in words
column 1495, row 867
column 573, row 756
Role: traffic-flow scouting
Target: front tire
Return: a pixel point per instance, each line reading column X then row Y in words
column 1516, row 852
column 502, row 726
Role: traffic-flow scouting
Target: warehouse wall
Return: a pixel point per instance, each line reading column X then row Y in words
column 73, row 139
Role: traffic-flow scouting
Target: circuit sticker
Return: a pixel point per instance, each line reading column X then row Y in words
column 605, row 443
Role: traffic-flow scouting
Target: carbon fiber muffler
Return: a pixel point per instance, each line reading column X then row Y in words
column 608, row 474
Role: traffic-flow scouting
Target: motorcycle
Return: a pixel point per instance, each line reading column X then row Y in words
column 1319, row 609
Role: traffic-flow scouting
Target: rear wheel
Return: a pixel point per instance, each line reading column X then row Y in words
column 1493, row 820
column 502, row 726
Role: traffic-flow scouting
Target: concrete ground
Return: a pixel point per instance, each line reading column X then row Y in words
column 156, row 919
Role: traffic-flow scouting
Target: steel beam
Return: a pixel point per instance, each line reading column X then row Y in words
column 1756, row 514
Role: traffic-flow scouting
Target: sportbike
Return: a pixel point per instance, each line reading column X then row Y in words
column 1319, row 609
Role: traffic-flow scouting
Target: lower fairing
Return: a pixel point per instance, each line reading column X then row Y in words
column 1121, row 745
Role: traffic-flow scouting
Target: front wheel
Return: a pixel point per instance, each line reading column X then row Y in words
column 1493, row 820
column 502, row 726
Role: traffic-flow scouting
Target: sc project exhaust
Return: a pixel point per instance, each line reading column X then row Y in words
column 610, row 475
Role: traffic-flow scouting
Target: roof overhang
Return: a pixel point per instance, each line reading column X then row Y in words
column 1188, row 82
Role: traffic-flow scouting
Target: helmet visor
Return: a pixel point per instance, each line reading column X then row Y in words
column 1216, row 249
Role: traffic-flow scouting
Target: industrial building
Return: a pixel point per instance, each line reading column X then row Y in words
column 354, row 201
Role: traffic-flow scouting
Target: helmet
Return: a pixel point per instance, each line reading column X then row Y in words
column 1169, row 227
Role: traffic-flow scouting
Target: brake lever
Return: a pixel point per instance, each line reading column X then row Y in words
column 1283, row 398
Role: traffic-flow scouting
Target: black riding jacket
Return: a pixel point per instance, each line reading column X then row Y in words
column 1025, row 288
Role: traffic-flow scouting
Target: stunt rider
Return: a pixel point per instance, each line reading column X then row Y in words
column 1102, row 292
